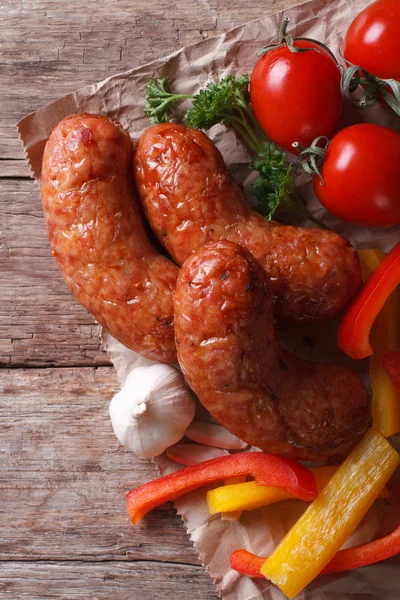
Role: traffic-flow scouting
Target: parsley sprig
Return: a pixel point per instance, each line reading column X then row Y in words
column 228, row 102
column 159, row 98
column 274, row 188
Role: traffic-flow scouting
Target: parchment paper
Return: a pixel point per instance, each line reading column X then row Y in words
column 122, row 98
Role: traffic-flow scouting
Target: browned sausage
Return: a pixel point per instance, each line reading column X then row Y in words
column 98, row 237
column 228, row 352
column 190, row 198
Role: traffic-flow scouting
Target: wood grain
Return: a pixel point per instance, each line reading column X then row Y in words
column 121, row 581
column 40, row 324
column 65, row 47
column 64, row 476
column 65, row 533
column 14, row 168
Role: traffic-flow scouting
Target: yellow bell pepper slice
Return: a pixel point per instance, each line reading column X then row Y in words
column 330, row 520
column 385, row 336
column 248, row 496
column 232, row 515
column 243, row 496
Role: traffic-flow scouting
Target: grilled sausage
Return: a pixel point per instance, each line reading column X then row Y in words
column 98, row 237
column 190, row 198
column 229, row 354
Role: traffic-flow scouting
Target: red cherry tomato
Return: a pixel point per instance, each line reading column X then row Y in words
column 296, row 95
column 373, row 39
column 361, row 176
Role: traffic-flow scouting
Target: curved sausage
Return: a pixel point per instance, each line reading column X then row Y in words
column 229, row 354
column 190, row 198
column 98, row 237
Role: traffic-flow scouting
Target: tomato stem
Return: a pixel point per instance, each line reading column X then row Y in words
column 312, row 158
column 284, row 39
column 282, row 30
column 374, row 88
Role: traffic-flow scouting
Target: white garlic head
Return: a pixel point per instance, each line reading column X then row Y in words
column 152, row 410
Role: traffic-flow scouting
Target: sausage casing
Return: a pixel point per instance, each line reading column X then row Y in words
column 98, row 237
column 190, row 198
column 229, row 354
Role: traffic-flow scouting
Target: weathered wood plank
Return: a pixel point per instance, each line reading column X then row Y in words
column 10, row 146
column 64, row 48
column 40, row 322
column 121, row 581
column 14, row 168
column 64, row 476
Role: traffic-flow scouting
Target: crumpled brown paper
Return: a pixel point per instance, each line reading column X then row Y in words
column 122, row 98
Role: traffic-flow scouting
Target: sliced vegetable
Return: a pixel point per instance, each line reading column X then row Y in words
column 327, row 523
column 391, row 363
column 211, row 434
column 385, row 336
column 233, row 515
column 243, row 496
column 367, row 554
column 354, row 330
column 193, row 454
column 249, row 564
column 267, row 469
column 249, row 495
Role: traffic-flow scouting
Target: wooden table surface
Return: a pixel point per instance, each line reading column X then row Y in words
column 64, row 528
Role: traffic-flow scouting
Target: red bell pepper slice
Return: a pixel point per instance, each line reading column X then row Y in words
column 391, row 363
column 267, row 469
column 354, row 330
column 249, row 564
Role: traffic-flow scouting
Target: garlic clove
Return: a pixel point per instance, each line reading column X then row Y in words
column 211, row 434
column 192, row 454
column 152, row 410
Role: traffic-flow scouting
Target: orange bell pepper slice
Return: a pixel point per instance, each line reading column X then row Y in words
column 354, row 330
column 267, row 469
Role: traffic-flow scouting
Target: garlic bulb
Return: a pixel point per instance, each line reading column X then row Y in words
column 152, row 410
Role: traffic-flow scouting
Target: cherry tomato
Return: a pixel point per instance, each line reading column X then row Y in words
column 361, row 176
column 373, row 39
column 296, row 95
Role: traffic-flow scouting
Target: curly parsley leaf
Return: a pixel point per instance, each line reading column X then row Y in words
column 158, row 100
column 274, row 187
column 218, row 102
